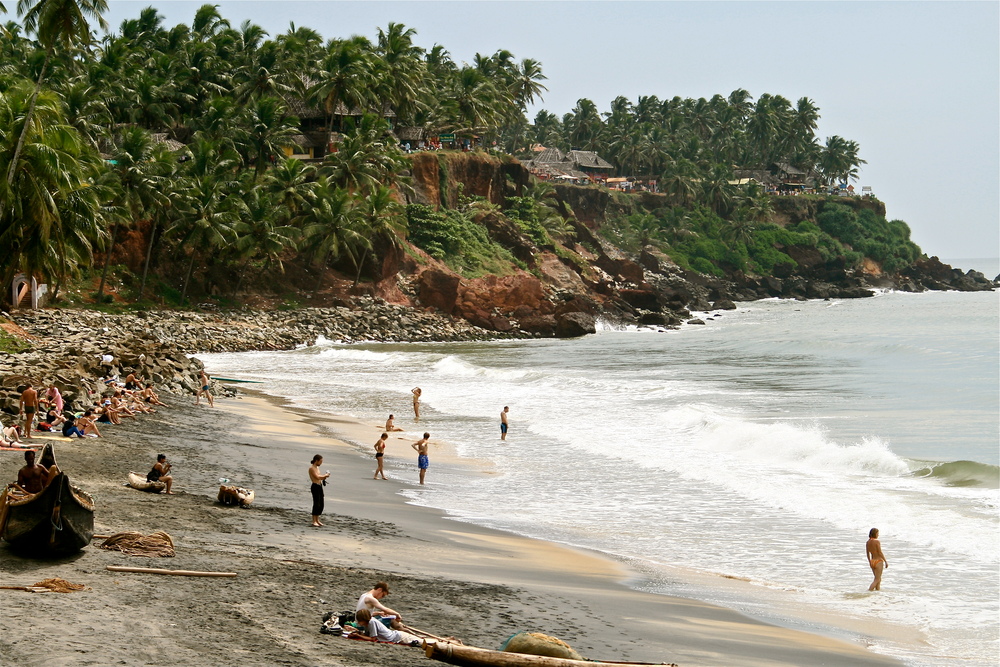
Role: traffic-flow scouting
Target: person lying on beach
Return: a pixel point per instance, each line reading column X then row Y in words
column 376, row 629
column 370, row 602
column 150, row 396
column 34, row 477
column 12, row 435
column 379, row 454
column 105, row 413
column 416, row 391
column 160, row 471
column 390, row 426
column 876, row 559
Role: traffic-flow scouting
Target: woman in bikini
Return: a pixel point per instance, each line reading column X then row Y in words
column 876, row 559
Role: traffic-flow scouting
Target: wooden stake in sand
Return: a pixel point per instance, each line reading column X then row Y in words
column 176, row 573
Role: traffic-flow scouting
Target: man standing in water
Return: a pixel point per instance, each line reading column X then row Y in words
column 876, row 559
column 503, row 423
column 422, row 461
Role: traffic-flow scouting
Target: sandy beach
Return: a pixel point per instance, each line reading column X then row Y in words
column 446, row 577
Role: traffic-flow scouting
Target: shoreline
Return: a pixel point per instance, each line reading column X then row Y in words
column 447, row 577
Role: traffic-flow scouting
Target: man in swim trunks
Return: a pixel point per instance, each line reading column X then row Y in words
column 34, row 477
column 422, row 461
column 29, row 406
column 379, row 454
column 876, row 559
column 371, row 602
column 503, row 423
column 203, row 381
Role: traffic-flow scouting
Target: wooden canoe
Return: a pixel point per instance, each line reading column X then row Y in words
column 137, row 481
column 470, row 656
column 236, row 495
column 59, row 519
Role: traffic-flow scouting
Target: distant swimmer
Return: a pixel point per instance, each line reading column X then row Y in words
column 379, row 454
column 422, row 461
column 503, row 423
column 390, row 426
column 876, row 559
column 416, row 402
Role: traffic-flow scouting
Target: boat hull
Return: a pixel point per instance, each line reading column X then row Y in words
column 137, row 481
column 57, row 520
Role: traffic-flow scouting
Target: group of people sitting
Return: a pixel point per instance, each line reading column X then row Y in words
column 120, row 400
column 375, row 620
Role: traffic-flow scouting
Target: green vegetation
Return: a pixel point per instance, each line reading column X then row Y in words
column 454, row 237
column 177, row 136
column 10, row 344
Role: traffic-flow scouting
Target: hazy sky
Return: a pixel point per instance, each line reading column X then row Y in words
column 916, row 84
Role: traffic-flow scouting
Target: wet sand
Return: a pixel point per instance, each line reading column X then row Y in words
column 446, row 577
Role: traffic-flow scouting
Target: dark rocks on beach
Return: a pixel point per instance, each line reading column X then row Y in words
column 575, row 324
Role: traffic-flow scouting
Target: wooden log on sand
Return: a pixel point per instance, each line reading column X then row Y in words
column 176, row 573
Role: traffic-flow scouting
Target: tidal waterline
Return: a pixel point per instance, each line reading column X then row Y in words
column 762, row 447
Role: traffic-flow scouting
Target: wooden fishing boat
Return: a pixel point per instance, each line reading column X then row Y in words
column 137, row 481
column 470, row 656
column 236, row 495
column 59, row 519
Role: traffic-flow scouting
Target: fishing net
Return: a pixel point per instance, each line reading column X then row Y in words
column 57, row 585
column 157, row 545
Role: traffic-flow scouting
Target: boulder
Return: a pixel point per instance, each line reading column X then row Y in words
column 575, row 324
column 438, row 289
column 724, row 304
column 542, row 325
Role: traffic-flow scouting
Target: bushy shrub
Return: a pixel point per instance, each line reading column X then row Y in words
column 456, row 240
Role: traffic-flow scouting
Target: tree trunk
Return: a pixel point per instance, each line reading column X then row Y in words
column 145, row 267
column 319, row 278
column 187, row 279
column 361, row 265
column 27, row 120
column 239, row 283
column 107, row 262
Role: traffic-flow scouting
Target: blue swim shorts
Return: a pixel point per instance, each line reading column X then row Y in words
column 423, row 462
column 503, row 427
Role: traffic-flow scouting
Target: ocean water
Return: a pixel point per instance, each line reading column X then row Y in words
column 742, row 462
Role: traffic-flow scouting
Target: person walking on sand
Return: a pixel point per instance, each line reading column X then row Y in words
column 503, row 422
column 203, row 382
column 379, row 455
column 160, row 473
column 318, row 479
column 876, row 559
column 422, row 461
column 416, row 402
column 390, row 426
column 28, row 407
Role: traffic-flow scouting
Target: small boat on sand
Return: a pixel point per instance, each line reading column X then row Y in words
column 235, row 495
column 59, row 519
column 470, row 656
column 137, row 481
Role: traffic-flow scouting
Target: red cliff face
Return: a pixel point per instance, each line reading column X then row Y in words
column 436, row 176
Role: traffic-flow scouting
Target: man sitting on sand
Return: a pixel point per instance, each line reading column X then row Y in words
column 34, row 477
column 376, row 629
column 390, row 426
column 369, row 602
column 159, row 472
column 150, row 396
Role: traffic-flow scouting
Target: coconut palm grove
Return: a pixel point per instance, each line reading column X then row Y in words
column 194, row 147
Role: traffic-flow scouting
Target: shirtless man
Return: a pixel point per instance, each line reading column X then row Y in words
column 203, row 382
column 34, row 477
column 422, row 461
column 150, row 396
column 28, row 407
column 390, row 426
column 876, row 559
column 370, row 602
column 503, row 423
column 379, row 454
column 416, row 402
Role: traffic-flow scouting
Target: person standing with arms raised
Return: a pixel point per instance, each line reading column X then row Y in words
column 416, row 402
column 318, row 479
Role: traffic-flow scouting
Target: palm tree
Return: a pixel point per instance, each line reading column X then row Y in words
column 365, row 158
column 260, row 232
column 330, row 228
column 291, row 181
column 55, row 23
column 381, row 215
column 528, row 83
column 136, row 179
column 402, row 72
column 345, row 77
column 268, row 130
